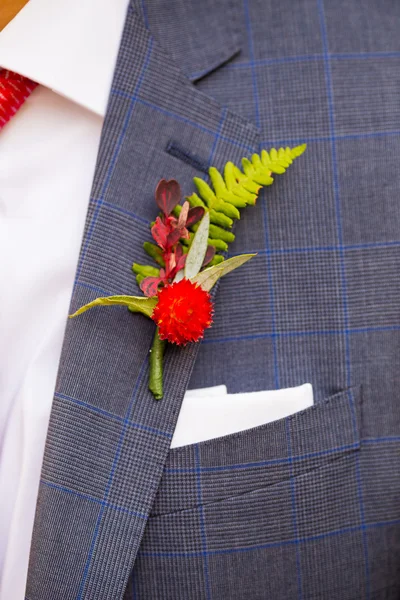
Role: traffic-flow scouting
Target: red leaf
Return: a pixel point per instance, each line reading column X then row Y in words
column 168, row 195
column 185, row 234
column 171, row 222
column 210, row 253
column 194, row 215
column 174, row 237
column 178, row 252
column 183, row 215
column 180, row 263
column 149, row 286
column 160, row 232
column 170, row 263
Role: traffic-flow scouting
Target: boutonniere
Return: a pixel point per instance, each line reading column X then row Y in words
column 190, row 242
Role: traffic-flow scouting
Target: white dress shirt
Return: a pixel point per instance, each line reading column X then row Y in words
column 47, row 160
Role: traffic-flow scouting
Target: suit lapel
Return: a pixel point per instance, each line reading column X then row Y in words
column 108, row 439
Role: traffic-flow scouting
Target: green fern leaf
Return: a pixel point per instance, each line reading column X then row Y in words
column 235, row 188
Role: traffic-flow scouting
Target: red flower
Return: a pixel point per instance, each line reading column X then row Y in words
column 183, row 312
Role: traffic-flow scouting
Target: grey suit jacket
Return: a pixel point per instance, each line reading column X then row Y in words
column 303, row 508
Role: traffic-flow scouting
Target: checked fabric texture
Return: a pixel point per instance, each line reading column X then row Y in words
column 306, row 507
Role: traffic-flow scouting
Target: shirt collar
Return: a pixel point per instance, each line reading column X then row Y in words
column 69, row 46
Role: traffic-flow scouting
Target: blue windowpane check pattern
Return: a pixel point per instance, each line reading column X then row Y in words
column 282, row 503
column 306, row 507
column 294, row 512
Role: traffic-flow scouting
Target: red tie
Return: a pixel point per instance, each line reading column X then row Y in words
column 14, row 90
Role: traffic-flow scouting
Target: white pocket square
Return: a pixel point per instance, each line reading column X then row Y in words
column 211, row 412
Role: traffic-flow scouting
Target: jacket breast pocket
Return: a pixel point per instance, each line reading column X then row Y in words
column 266, row 510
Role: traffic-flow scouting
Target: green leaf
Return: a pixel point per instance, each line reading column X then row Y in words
column 219, row 245
column 228, row 209
column 156, row 366
column 145, row 270
column 218, row 233
column 155, row 252
column 205, row 191
column 194, row 200
column 218, row 258
column 235, row 179
column 134, row 303
column 220, row 219
column 198, row 248
column 298, row 150
column 209, row 277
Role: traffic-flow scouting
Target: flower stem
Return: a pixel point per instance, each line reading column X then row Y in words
column 156, row 366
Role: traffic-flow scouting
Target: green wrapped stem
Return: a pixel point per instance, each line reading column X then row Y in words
column 156, row 366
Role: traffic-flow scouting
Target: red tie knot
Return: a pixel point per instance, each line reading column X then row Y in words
column 14, row 90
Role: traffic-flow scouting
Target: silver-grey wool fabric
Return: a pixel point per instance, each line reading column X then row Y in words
column 307, row 507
